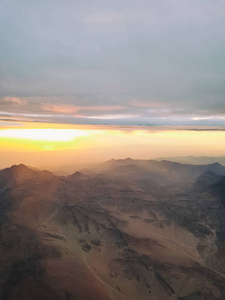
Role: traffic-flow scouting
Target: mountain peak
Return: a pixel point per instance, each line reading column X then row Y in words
column 77, row 176
column 18, row 173
column 216, row 164
column 217, row 168
column 128, row 159
column 19, row 167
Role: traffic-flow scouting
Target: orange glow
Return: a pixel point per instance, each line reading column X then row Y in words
column 51, row 144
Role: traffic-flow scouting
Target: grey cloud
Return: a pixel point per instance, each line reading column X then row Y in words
column 94, row 53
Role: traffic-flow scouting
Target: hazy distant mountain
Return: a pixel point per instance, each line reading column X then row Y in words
column 77, row 176
column 129, row 229
column 196, row 160
column 163, row 172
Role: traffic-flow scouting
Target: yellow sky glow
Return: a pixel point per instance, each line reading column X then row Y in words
column 50, row 135
column 46, row 144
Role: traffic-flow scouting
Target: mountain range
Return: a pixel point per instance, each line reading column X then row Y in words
column 126, row 229
column 200, row 160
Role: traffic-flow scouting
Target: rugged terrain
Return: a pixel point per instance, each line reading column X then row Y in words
column 129, row 229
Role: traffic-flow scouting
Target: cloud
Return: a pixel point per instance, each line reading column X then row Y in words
column 203, row 118
column 104, row 18
column 145, row 104
column 15, row 100
column 112, row 117
column 72, row 109
column 158, row 62
column 60, row 108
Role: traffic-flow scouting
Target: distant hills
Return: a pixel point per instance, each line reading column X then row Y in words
column 196, row 160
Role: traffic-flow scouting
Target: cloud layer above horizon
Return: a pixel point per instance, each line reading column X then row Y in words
column 150, row 63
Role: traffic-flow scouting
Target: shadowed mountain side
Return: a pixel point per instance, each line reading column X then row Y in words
column 206, row 180
column 110, row 234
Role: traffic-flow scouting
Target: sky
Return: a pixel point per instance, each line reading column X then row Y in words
column 78, row 146
column 113, row 62
column 130, row 63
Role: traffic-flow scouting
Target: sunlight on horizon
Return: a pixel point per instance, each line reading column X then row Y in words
column 44, row 139
column 50, row 135
column 54, row 145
